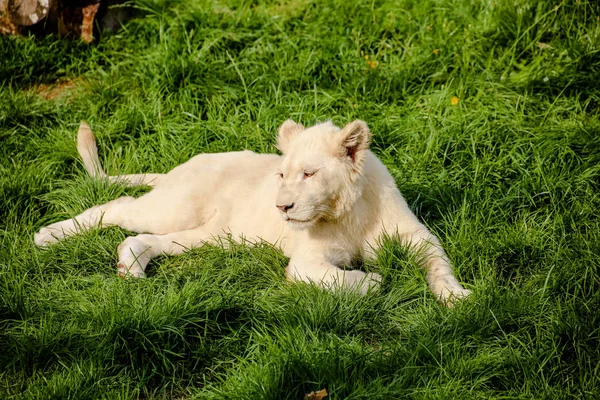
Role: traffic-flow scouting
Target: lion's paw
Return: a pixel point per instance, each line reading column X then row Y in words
column 451, row 298
column 129, row 272
column 45, row 237
column 363, row 282
column 133, row 258
column 372, row 281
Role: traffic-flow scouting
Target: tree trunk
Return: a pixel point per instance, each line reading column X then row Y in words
column 67, row 17
column 15, row 14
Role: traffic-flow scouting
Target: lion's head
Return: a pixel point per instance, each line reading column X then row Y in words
column 320, row 177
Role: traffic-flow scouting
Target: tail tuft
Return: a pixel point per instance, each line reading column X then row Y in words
column 86, row 146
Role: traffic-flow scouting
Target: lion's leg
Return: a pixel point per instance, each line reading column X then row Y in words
column 432, row 257
column 440, row 276
column 107, row 214
column 318, row 270
column 136, row 251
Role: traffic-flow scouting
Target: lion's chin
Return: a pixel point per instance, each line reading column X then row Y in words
column 299, row 224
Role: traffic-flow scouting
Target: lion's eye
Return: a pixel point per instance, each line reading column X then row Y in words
column 280, row 175
column 308, row 174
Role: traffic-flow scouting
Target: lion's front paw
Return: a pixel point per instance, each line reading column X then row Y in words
column 45, row 237
column 450, row 297
column 373, row 279
column 363, row 282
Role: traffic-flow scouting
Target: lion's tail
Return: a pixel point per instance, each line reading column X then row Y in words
column 88, row 150
column 86, row 146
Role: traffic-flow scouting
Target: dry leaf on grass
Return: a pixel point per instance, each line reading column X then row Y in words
column 320, row 395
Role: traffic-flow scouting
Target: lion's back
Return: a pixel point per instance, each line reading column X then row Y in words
column 218, row 169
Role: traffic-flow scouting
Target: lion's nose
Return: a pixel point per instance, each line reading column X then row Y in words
column 286, row 207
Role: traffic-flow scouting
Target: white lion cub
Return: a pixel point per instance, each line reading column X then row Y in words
column 326, row 203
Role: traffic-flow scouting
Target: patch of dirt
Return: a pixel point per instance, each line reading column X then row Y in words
column 59, row 89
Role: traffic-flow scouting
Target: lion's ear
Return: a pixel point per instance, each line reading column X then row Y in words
column 287, row 132
column 356, row 137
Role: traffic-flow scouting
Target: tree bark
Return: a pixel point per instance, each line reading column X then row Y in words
column 66, row 17
column 15, row 14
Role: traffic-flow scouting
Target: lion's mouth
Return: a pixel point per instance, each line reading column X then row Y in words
column 298, row 221
column 288, row 219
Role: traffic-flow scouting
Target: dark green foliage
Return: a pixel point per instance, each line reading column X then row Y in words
column 508, row 176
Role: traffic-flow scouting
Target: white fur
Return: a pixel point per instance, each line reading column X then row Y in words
column 326, row 203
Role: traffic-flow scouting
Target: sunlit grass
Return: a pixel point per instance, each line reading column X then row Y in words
column 487, row 115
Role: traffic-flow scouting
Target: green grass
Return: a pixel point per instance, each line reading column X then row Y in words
column 509, row 179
